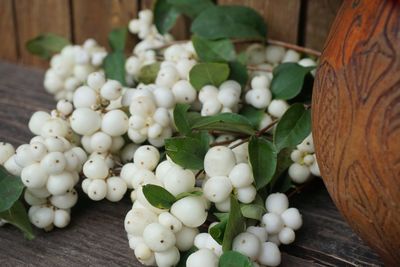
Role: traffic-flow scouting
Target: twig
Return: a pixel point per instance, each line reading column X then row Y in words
column 255, row 68
column 295, row 47
column 198, row 174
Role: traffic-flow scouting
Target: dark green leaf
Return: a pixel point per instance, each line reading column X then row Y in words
column 226, row 122
column 288, row 80
column 222, row 216
column 293, row 127
column 191, row 8
column 187, row 194
column 218, row 230
column 234, row 259
column 181, row 119
column 165, row 16
column 238, row 72
column 114, row 66
column 282, row 184
column 148, row 73
column 188, row 151
column 117, row 39
column 218, row 51
column 46, row 45
column 236, row 224
column 10, row 189
column 158, row 196
column 281, row 181
column 208, row 73
column 252, row 211
column 184, row 255
column 229, row 22
column 263, row 159
column 17, row 216
column 253, row 115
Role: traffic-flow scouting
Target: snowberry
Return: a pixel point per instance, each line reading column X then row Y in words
column 163, row 168
column 34, row 176
column 147, row 157
column 127, row 172
column 84, row 97
column 85, row 185
column 260, row 81
column 241, row 175
column 143, row 252
column 248, row 244
column 202, row 257
column 190, row 210
column 162, row 117
column 291, row 56
column 167, row 76
column 61, row 218
column 259, row 98
column 307, row 145
column 314, row 168
column 164, row 97
column 224, row 205
column 214, row 246
column 133, row 65
column 228, row 97
column 154, row 130
column 115, row 123
column 158, row 237
column 307, row 62
column 97, row 189
column 217, row 188
column 219, row 161
column 292, row 218
column 85, row 121
column 64, row 107
column 167, row 258
column 246, row 194
column 255, row 54
column 59, row 184
column 308, row 159
column 299, row 173
column 54, row 162
column 135, row 241
column 111, row 90
column 241, row 151
column 185, row 238
column 183, row 66
column 37, row 121
column 65, row 201
column 95, row 168
column 232, row 85
column 277, row 108
column 178, row 180
column 184, row 92
column 269, row 254
column 296, row 155
column 55, row 127
column 54, row 144
column 117, row 142
column 286, row 236
column 42, row 217
column 273, row 223
column 277, row 203
column 259, row 232
column 40, row 192
column 33, row 200
column 201, row 240
column 211, row 107
column 12, row 167
column 116, row 188
column 266, row 121
column 6, row 151
column 137, row 219
column 96, row 80
column 100, row 142
column 23, row 155
column 274, row 54
column 143, row 106
column 170, row 221
column 208, row 92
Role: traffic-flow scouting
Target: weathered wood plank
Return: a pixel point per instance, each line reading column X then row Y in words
column 8, row 45
column 96, row 18
column 282, row 17
column 318, row 20
column 38, row 16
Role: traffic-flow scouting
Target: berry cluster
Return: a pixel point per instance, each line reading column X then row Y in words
column 70, row 68
column 305, row 163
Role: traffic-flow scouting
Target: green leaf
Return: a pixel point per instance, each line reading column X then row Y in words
column 281, row 182
column 148, row 73
column 253, row 211
column 181, row 119
column 184, row 256
column 191, row 8
column 165, row 16
column 208, row 73
column 253, row 115
column 263, row 159
column 229, row 22
column 218, row 230
column 218, row 51
column 236, row 224
column 158, row 196
column 188, row 151
column 288, row 80
column 221, row 216
column 238, row 72
column 226, row 122
column 187, row 194
column 46, row 45
column 10, row 189
column 117, row 38
column 234, row 259
column 17, row 216
column 293, row 127
column 114, row 66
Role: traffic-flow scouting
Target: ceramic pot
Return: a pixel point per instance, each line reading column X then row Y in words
column 356, row 121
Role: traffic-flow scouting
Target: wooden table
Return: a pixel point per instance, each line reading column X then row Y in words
column 96, row 235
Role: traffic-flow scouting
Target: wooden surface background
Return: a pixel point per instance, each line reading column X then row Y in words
column 305, row 22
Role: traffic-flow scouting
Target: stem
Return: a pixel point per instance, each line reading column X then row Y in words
column 295, row 47
column 255, row 68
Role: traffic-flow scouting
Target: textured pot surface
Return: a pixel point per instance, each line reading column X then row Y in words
column 356, row 120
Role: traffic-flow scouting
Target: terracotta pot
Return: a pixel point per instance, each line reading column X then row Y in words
column 356, row 121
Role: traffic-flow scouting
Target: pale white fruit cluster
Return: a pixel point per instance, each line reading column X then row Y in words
column 224, row 176
column 158, row 235
column 215, row 100
column 7, row 150
column 305, row 163
column 70, row 68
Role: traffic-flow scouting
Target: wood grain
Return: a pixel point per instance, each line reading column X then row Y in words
column 8, row 44
column 282, row 17
column 356, row 120
column 319, row 16
column 40, row 16
column 96, row 18
column 96, row 235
